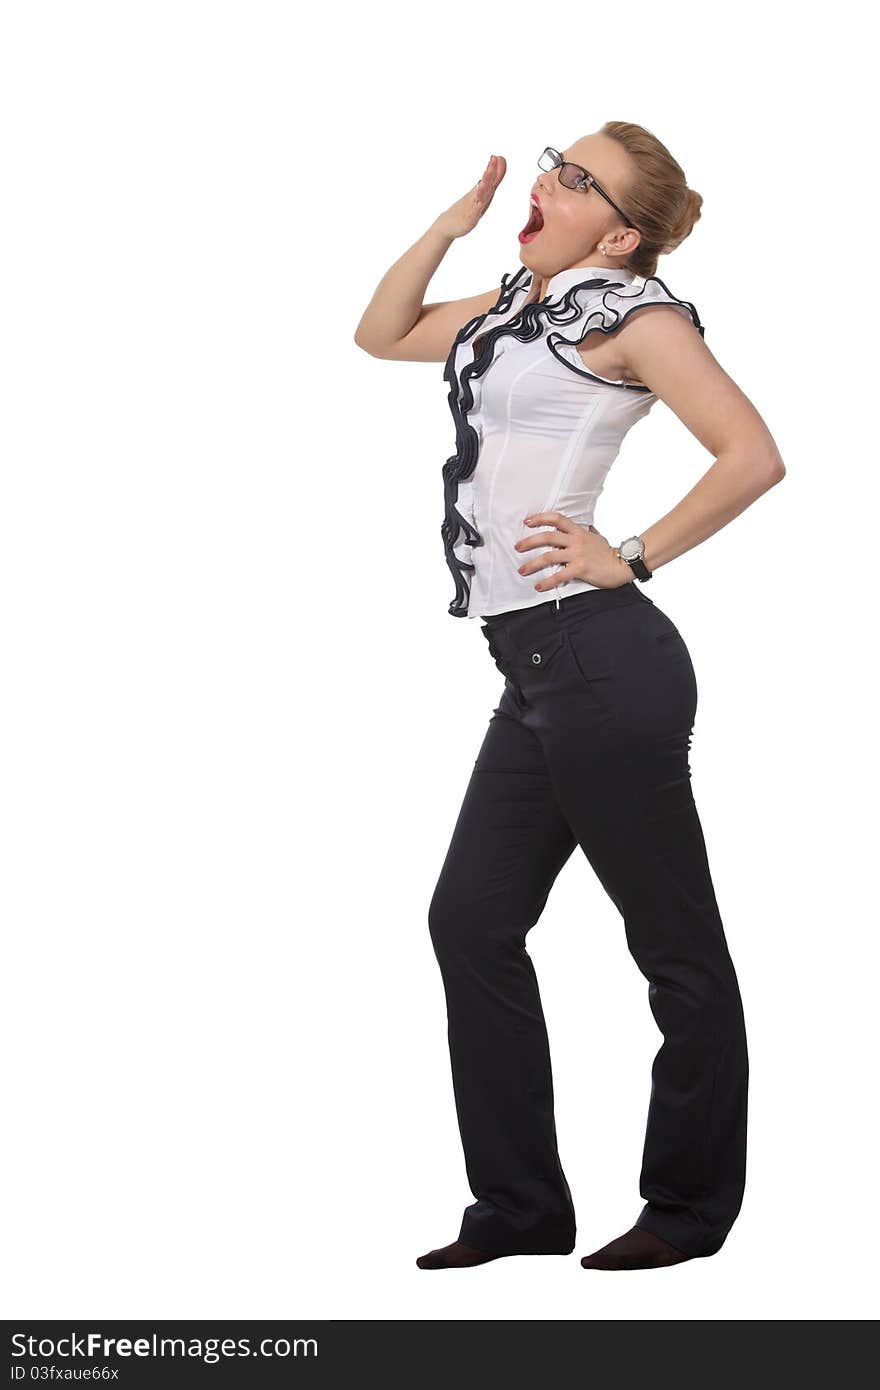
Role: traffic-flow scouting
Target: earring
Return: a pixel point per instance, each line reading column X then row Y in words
column 602, row 247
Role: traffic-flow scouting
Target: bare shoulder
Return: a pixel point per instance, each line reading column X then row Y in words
column 613, row 352
column 653, row 331
column 665, row 349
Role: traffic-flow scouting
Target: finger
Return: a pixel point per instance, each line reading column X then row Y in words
column 541, row 538
column 489, row 176
column 484, row 179
column 559, row 555
column 483, row 193
column 487, row 187
column 543, row 562
column 540, row 562
column 496, row 173
column 482, row 187
column 558, row 519
column 554, row 583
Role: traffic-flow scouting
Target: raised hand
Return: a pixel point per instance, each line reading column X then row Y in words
column 463, row 215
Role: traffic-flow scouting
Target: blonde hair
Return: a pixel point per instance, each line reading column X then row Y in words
column 658, row 200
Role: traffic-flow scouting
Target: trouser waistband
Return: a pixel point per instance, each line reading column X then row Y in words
column 523, row 624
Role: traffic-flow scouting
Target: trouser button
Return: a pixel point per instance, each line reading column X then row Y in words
column 536, row 658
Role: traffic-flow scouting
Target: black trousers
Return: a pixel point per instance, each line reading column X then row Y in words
column 589, row 746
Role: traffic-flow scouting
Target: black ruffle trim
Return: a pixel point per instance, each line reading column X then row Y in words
column 554, row 338
column 525, row 326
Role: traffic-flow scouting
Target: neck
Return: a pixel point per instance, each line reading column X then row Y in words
column 562, row 280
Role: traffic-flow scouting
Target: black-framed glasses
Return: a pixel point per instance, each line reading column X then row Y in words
column 575, row 176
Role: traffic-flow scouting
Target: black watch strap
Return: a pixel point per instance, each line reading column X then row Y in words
column 639, row 569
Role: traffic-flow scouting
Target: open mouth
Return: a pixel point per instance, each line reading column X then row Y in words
column 534, row 224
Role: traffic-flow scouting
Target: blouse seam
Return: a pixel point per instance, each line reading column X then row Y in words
column 489, row 500
column 525, row 321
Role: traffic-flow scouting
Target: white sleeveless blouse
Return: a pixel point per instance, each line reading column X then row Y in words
column 535, row 430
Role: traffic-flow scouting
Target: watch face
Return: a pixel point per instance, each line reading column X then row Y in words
column 631, row 548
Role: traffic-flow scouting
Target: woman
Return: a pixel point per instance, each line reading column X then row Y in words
column 589, row 743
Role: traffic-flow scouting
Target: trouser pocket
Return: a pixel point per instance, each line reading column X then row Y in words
column 593, row 669
column 505, row 666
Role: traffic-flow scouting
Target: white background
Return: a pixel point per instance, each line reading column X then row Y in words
column 237, row 720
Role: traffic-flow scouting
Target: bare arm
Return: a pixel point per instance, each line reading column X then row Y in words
column 662, row 349
column 667, row 353
column 396, row 324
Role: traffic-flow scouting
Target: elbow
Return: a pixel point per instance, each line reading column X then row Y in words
column 770, row 472
column 762, row 464
column 362, row 337
column 366, row 346
column 753, row 470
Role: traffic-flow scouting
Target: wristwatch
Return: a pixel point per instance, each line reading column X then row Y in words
column 632, row 550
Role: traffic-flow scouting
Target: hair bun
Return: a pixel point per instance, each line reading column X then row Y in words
column 657, row 197
column 687, row 220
